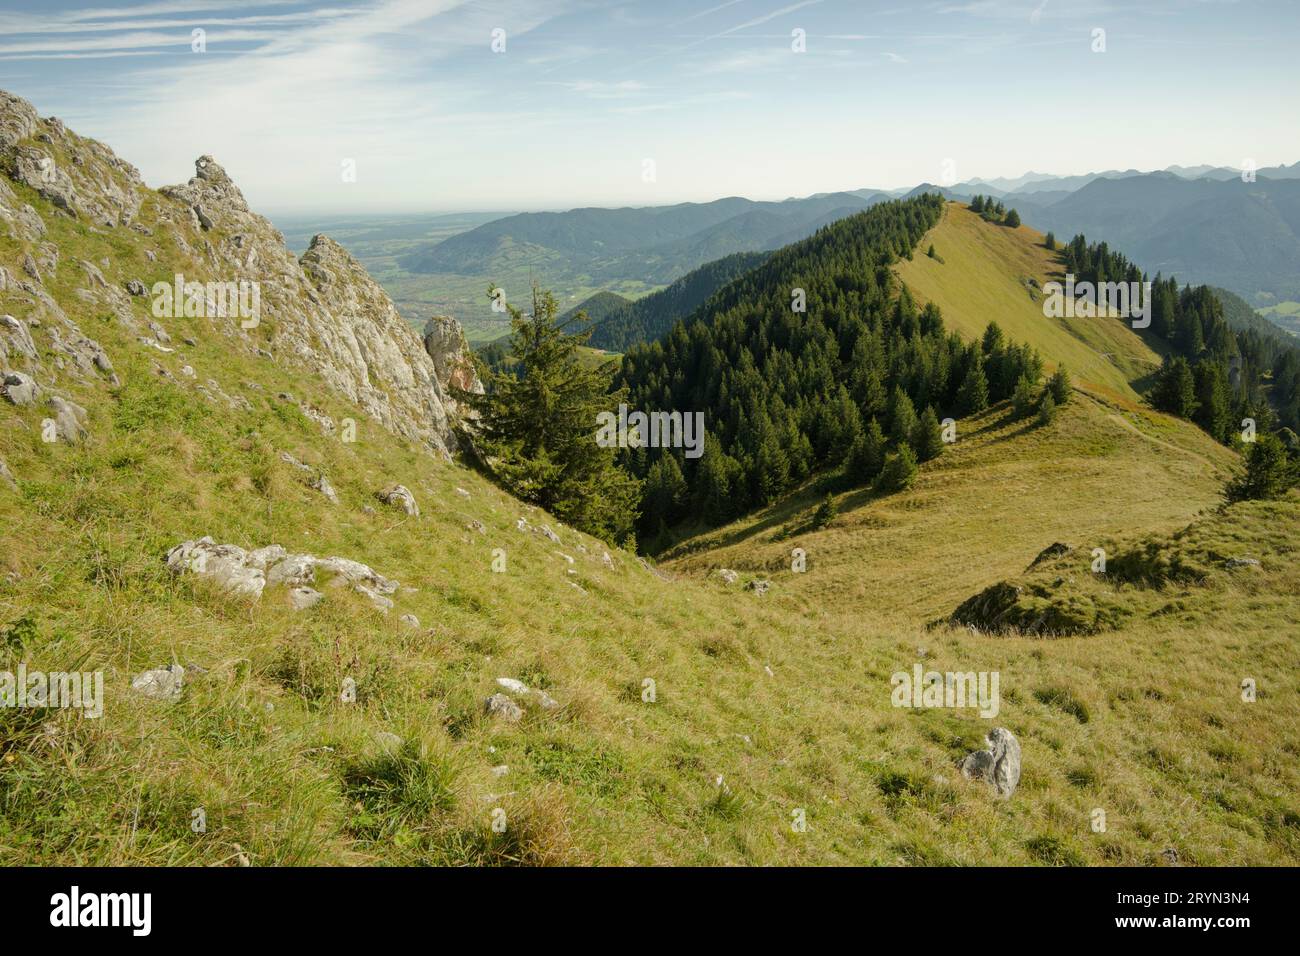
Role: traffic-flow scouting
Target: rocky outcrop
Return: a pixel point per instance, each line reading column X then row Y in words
column 324, row 314
column 248, row 573
column 453, row 362
column 80, row 177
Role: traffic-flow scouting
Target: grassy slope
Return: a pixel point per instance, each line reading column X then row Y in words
column 786, row 697
column 982, row 278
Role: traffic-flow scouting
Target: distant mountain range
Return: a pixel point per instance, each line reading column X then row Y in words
column 1201, row 223
column 655, row 244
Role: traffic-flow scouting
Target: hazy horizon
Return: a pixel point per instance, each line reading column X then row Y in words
column 766, row 99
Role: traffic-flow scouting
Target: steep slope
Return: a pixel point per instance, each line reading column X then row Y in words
column 667, row 720
column 988, row 273
column 651, row 316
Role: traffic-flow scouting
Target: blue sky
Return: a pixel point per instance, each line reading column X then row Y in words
column 712, row 92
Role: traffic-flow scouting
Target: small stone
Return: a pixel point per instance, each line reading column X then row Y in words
column 322, row 484
column 1233, row 563
column 499, row 705
column 411, row 621
column 759, row 586
column 164, row 683
column 512, row 685
column 728, row 576
column 999, row 765
column 400, row 496
column 20, row 389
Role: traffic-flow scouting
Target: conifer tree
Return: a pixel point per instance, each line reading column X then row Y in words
column 973, row 396
column 1059, row 385
column 927, row 438
column 1046, row 409
column 899, row 470
column 1175, row 390
column 826, row 512
column 902, row 416
column 1268, row 472
column 1022, row 399
column 867, row 455
column 537, row 428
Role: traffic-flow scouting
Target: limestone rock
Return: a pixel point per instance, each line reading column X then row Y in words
column 16, row 340
column 69, row 419
column 499, row 705
column 163, row 683
column 727, row 575
column 302, row 598
column 399, row 496
column 20, row 389
column 999, row 765
column 445, row 342
column 322, row 484
column 226, row 564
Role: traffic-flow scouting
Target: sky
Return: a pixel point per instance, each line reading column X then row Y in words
column 389, row 106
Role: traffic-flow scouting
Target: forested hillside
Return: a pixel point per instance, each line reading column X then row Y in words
column 815, row 359
column 617, row 329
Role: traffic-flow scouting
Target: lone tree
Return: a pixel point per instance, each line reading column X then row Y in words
column 537, row 427
column 1268, row 472
column 826, row 512
column 1013, row 219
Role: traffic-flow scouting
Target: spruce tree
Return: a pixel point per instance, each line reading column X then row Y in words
column 866, row 456
column 1268, row 472
column 973, row 396
column 902, row 416
column 927, row 438
column 1022, row 399
column 537, row 428
column 1212, row 412
column 1013, row 219
column 1059, row 385
column 899, row 471
column 825, row 513
column 1175, row 390
column 1046, row 409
